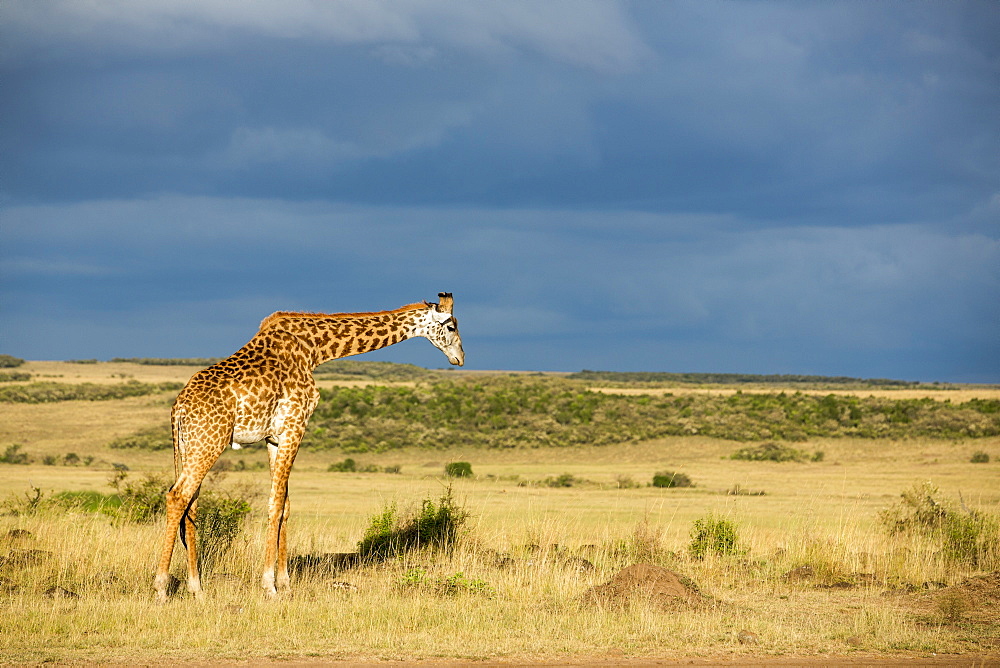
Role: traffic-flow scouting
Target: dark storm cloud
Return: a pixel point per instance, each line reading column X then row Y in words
column 768, row 187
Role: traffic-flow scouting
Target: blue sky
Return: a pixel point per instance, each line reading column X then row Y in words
column 757, row 187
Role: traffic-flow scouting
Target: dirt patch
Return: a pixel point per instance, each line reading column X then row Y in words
column 663, row 588
column 974, row 599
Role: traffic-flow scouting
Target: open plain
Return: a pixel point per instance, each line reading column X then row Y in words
column 814, row 575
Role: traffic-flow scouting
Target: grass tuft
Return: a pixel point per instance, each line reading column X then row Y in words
column 434, row 525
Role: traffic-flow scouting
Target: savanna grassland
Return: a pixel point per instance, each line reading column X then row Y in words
column 817, row 556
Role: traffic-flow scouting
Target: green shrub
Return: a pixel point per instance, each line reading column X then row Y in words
column 562, row 480
column 769, row 452
column 153, row 438
column 13, row 455
column 142, row 501
column 964, row 535
column 980, row 457
column 434, row 525
column 447, row 586
column 458, row 470
column 14, row 377
column 346, row 466
column 672, row 479
column 220, row 520
column 714, row 535
column 9, row 361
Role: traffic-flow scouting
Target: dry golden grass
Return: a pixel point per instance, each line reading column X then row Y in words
column 857, row 603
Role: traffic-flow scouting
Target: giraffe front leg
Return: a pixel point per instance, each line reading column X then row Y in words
column 275, row 512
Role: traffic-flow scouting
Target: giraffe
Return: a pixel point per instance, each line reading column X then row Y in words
column 266, row 390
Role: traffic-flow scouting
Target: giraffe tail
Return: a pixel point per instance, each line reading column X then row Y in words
column 177, row 432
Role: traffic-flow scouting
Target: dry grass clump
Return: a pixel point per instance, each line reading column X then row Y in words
column 964, row 535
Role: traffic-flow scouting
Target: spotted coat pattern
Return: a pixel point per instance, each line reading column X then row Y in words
column 266, row 390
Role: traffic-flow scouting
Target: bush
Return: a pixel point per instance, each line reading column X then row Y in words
column 980, row 457
column 769, row 452
column 458, row 470
column 965, row 536
column 434, row 525
column 13, row 455
column 346, row 466
column 154, row 438
column 672, row 479
column 562, row 480
column 9, row 361
column 351, row 466
column 711, row 534
column 220, row 520
column 141, row 501
column 447, row 586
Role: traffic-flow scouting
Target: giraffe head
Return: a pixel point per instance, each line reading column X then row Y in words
column 439, row 326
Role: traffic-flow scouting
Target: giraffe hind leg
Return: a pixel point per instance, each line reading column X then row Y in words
column 189, row 532
column 282, row 580
column 181, row 513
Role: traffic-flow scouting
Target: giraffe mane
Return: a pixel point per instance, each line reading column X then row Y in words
column 281, row 315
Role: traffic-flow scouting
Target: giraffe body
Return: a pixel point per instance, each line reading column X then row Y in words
column 266, row 391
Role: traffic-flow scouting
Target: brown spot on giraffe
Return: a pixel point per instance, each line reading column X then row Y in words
column 266, row 391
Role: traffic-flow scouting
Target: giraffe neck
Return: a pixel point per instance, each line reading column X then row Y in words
column 332, row 336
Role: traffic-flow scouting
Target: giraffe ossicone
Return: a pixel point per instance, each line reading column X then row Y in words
column 266, row 390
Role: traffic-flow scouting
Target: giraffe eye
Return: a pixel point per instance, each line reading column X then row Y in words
column 451, row 328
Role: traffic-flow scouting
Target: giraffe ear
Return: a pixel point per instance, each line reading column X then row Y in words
column 437, row 315
column 447, row 301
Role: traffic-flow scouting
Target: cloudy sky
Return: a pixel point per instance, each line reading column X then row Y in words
column 757, row 187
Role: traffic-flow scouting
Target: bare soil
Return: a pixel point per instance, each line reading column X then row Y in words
column 660, row 586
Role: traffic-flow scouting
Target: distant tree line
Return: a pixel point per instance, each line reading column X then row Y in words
column 160, row 361
column 508, row 412
column 47, row 392
column 663, row 377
